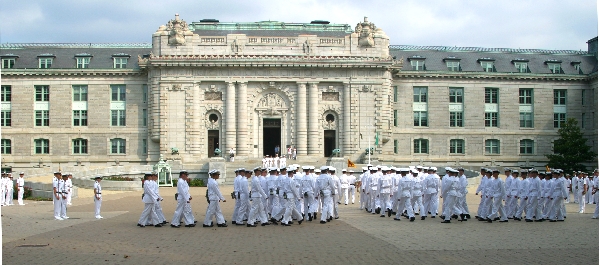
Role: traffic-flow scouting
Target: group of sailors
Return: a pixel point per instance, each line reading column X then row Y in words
column 7, row 186
column 413, row 191
column 534, row 195
column 276, row 161
column 62, row 189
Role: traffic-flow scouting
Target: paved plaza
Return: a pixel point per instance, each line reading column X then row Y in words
column 30, row 235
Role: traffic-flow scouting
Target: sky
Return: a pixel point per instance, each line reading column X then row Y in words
column 532, row 24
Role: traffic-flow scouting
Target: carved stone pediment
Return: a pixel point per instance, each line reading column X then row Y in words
column 177, row 29
column 330, row 96
column 213, row 96
column 366, row 32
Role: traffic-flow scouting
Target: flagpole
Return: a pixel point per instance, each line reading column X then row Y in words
column 369, row 137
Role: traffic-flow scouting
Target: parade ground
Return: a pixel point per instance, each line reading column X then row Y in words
column 30, row 235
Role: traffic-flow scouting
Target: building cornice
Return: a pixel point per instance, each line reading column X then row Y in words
column 72, row 72
column 492, row 76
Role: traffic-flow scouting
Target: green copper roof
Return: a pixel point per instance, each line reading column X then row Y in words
column 269, row 25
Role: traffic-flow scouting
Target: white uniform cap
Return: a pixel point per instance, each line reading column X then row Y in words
column 411, row 167
column 447, row 168
column 384, row 168
column 305, row 167
column 317, row 170
column 414, row 171
column 292, row 168
column 405, row 169
column 22, row 173
column 344, row 170
column 434, row 168
column 365, row 168
column 272, row 169
column 312, row 167
column 331, row 168
column 419, row 167
column 324, row 168
column 453, row 170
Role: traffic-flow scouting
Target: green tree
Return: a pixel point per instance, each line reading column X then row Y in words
column 571, row 149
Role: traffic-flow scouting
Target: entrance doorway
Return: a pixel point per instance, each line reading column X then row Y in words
column 329, row 144
column 213, row 142
column 271, row 136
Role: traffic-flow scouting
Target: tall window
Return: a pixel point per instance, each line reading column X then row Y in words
column 456, row 95
column 526, row 147
column 583, row 120
column 80, row 146
column 117, row 117
column 6, row 147
column 117, row 92
column 420, row 118
column 80, row 93
column 560, row 97
column 42, row 118
column 395, row 117
column 491, row 119
column 6, row 93
column 42, row 146
column 559, row 119
column 120, row 62
column 453, row 66
column 6, row 108
column 395, row 146
column 6, row 118
column 117, row 146
column 144, row 146
column 45, row 62
column 491, row 95
column 583, row 97
column 522, row 67
column 83, row 62
column 577, row 67
column 492, row 146
column 145, row 93
column 417, row 65
column 421, row 146
column 395, row 94
column 42, row 93
column 420, row 94
column 80, row 118
column 526, row 108
column 456, row 119
column 457, row 146
column 145, row 117
column 8, row 63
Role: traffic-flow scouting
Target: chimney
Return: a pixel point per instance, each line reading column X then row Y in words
column 593, row 47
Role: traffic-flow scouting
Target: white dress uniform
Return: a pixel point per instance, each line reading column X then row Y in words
column 431, row 191
column 352, row 186
column 403, row 196
column 344, row 185
column 595, row 184
column 56, row 198
column 512, row 193
column 149, row 199
column 374, row 192
column 463, row 191
column 307, row 192
column 580, row 182
column 214, row 196
column 236, row 195
column 21, row 186
column 533, row 197
column 326, row 185
column 273, row 205
column 291, row 195
column 335, row 195
column 184, row 207
column 523, row 199
column 417, row 196
column 10, row 189
column 497, row 192
column 243, row 199
column 157, row 205
column 451, row 195
column 97, row 199
column 385, row 191
column 557, row 196
column 265, row 199
column 69, row 183
column 258, row 210
column 2, row 189
column 62, row 184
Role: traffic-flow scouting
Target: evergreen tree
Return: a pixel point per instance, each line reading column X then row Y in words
column 571, row 150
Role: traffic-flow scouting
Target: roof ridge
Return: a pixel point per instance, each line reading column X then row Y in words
column 76, row 45
column 483, row 49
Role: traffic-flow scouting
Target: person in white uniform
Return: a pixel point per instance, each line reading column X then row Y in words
column 56, row 195
column 149, row 198
column 243, row 196
column 97, row 197
column 403, row 197
column 69, row 188
column 352, row 185
column 184, row 206
column 344, row 185
column 451, row 195
column 257, row 194
column 385, row 191
column 432, row 186
column 291, row 195
column 62, row 184
column 326, row 186
column 20, row 188
column 214, row 196
column 496, row 192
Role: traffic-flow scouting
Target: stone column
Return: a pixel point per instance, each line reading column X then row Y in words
column 301, row 120
column 229, row 118
column 242, row 119
column 347, row 144
column 313, row 125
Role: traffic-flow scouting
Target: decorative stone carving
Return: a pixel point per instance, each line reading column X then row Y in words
column 329, row 124
column 306, row 47
column 236, row 47
column 213, row 95
column 212, row 124
column 331, row 96
column 176, row 28
column 271, row 100
column 366, row 32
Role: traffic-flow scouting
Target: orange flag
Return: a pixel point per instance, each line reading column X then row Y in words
column 350, row 164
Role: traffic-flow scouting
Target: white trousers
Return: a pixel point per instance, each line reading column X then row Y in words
column 429, row 204
column 581, row 201
column 63, row 207
column 344, row 195
column 243, row 208
column 352, row 191
column 327, row 210
column 214, row 210
column 385, row 202
column 555, row 209
column 97, row 204
column 451, row 207
column 533, row 209
column 290, row 209
column 418, row 205
column 462, row 203
column 404, row 203
column 57, row 206
column 497, row 208
column 521, row 208
column 148, row 214
column 20, row 195
column 159, row 212
column 69, row 197
column 183, row 211
column 257, row 212
column 309, row 204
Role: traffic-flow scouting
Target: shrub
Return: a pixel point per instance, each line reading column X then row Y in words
column 26, row 194
column 197, row 183
column 120, row 178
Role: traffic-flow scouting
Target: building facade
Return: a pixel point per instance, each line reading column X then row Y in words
column 314, row 86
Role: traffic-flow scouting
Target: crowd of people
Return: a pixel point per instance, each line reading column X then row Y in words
column 7, row 186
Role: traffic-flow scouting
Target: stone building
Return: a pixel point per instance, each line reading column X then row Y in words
column 314, row 86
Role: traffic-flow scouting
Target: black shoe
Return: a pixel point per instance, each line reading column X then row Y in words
column 497, row 218
column 412, row 219
column 273, row 221
column 300, row 222
column 245, row 220
column 195, row 222
column 336, row 218
column 481, row 219
column 284, row 224
column 322, row 222
column 382, row 215
column 222, row 225
column 445, row 222
column 175, row 226
column 249, row 225
column 378, row 210
column 528, row 220
column 290, row 222
column 489, row 220
column 203, row 225
column 265, row 224
column 504, row 221
column 310, row 218
column 393, row 213
column 552, row 221
column 190, row 225
column 242, row 223
column 423, row 217
column 539, row 220
column 396, row 219
column 142, row 226
column 517, row 219
column 561, row 220
column 443, row 217
column 389, row 213
column 164, row 222
column 454, row 216
column 468, row 216
column 158, row 225
column 416, row 213
column 433, row 216
column 234, row 222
